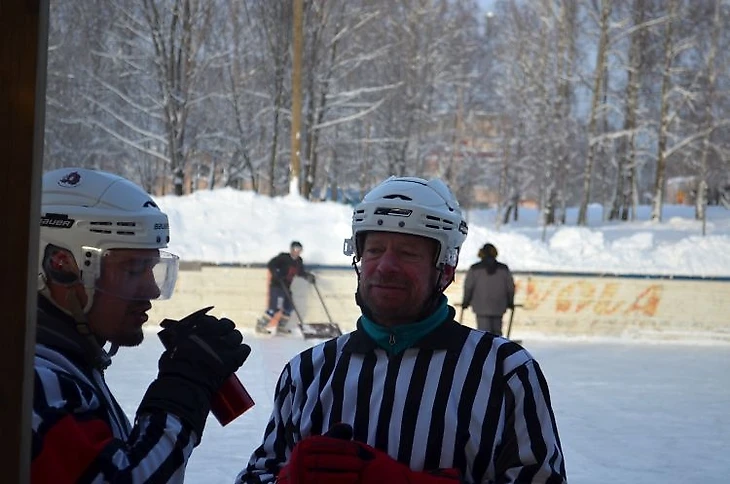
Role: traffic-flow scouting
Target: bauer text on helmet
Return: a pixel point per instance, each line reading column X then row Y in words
column 415, row 206
column 91, row 213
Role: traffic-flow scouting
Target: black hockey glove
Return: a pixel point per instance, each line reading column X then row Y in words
column 310, row 278
column 201, row 352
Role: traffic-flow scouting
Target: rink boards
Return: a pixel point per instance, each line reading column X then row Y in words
column 570, row 305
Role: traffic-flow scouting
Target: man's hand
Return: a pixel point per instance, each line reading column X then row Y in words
column 310, row 278
column 207, row 350
column 335, row 459
column 201, row 352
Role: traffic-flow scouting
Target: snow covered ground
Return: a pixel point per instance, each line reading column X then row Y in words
column 627, row 412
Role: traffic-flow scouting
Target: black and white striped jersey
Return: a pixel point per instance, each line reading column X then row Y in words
column 80, row 433
column 459, row 398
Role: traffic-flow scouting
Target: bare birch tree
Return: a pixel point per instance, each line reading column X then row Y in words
column 664, row 115
column 627, row 197
column 598, row 80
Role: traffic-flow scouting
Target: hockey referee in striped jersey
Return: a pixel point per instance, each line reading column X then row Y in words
column 410, row 396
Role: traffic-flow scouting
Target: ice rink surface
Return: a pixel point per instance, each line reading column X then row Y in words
column 627, row 412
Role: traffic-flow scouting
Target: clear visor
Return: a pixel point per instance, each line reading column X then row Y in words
column 138, row 274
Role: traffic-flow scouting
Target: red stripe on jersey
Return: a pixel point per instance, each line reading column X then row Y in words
column 69, row 448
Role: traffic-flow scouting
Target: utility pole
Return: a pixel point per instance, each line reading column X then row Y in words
column 296, row 94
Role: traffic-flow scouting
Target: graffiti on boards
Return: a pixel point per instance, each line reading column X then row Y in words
column 590, row 296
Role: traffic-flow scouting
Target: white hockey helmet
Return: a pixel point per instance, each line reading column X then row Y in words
column 415, row 206
column 90, row 212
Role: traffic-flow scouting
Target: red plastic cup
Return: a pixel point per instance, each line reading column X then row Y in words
column 230, row 401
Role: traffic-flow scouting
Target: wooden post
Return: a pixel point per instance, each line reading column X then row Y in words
column 23, row 46
column 296, row 91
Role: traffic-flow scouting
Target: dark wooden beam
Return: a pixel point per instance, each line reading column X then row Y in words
column 23, row 47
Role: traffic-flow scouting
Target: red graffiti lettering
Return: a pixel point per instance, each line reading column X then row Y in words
column 584, row 298
column 604, row 305
column 581, row 296
column 533, row 297
column 648, row 301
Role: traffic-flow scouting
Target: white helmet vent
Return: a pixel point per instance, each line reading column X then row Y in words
column 397, row 196
column 393, row 211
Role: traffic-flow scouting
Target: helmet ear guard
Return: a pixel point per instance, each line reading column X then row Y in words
column 349, row 247
column 59, row 266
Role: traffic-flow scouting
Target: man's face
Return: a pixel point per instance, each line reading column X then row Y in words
column 398, row 276
column 122, row 296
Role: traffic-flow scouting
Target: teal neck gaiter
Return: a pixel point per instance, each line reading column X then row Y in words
column 399, row 338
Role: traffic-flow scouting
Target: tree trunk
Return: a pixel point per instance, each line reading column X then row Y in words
column 701, row 200
column 599, row 72
column 661, row 165
column 629, row 198
column 278, row 100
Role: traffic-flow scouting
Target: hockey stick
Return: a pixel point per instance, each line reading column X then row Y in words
column 288, row 294
column 461, row 313
column 309, row 330
column 509, row 325
column 335, row 327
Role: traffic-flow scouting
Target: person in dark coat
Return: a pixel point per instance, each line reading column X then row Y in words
column 489, row 289
column 283, row 268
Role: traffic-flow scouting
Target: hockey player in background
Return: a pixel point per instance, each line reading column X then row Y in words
column 410, row 396
column 283, row 268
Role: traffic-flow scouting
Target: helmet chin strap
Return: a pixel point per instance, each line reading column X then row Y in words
column 88, row 278
column 436, row 294
column 100, row 357
column 358, row 299
column 112, row 351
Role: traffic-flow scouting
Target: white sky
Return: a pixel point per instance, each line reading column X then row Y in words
column 627, row 411
column 486, row 5
column 231, row 226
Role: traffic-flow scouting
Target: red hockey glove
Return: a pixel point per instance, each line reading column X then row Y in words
column 330, row 460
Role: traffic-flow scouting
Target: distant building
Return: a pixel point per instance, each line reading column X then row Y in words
column 466, row 151
column 680, row 190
